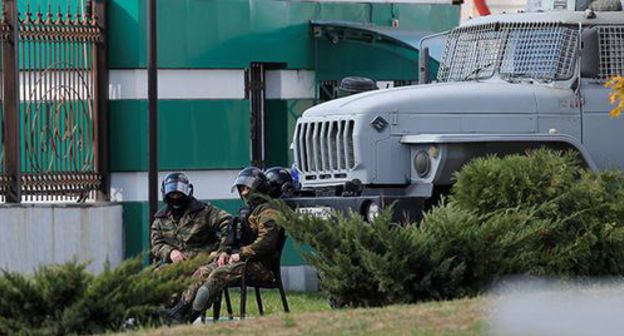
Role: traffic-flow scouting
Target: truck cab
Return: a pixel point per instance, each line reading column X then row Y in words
column 506, row 83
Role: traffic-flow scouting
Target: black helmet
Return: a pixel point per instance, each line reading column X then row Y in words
column 254, row 179
column 176, row 183
column 280, row 182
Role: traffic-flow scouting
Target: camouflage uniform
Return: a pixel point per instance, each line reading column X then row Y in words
column 262, row 249
column 199, row 229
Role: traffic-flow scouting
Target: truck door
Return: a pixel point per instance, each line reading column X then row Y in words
column 601, row 134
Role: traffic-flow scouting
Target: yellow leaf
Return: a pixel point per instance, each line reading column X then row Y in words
column 617, row 95
column 612, row 98
column 615, row 113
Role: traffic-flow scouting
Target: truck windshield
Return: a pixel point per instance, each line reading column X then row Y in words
column 541, row 51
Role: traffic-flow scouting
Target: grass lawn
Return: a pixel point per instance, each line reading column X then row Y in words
column 311, row 315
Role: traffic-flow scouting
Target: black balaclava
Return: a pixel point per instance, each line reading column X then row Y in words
column 178, row 205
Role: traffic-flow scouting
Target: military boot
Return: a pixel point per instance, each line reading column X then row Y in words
column 194, row 315
column 178, row 314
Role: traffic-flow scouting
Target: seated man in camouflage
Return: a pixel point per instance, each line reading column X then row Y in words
column 253, row 236
column 185, row 227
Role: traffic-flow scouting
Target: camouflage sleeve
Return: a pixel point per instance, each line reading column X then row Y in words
column 160, row 248
column 268, row 234
column 220, row 220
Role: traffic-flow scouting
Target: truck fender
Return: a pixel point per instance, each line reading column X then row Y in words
column 449, row 152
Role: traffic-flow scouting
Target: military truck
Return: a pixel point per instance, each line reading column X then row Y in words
column 506, row 83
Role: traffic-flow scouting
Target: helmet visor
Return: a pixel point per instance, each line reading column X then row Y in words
column 174, row 186
column 247, row 181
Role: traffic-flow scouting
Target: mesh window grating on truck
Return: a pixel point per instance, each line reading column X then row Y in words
column 611, row 46
column 544, row 51
column 470, row 52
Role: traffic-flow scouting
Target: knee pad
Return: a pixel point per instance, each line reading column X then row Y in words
column 201, row 299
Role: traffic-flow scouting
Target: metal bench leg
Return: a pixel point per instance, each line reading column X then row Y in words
column 228, row 303
column 243, row 303
column 259, row 301
column 283, row 295
column 216, row 308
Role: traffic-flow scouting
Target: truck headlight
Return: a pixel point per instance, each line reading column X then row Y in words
column 422, row 163
column 372, row 211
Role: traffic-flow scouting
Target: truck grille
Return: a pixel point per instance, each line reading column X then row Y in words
column 324, row 149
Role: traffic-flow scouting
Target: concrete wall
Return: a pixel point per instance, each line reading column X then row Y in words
column 36, row 234
column 303, row 278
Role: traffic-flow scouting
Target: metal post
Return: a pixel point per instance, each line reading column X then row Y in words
column 423, row 66
column 101, row 95
column 152, row 94
column 10, row 106
column 257, row 97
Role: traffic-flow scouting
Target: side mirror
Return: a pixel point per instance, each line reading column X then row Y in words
column 590, row 60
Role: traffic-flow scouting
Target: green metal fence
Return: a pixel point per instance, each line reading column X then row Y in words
column 52, row 94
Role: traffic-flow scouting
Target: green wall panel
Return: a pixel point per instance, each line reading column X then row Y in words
column 127, row 40
column 137, row 226
column 428, row 18
column 292, row 253
column 233, row 33
column 376, row 61
column 281, row 117
column 192, row 134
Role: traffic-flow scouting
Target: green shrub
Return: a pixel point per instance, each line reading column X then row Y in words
column 587, row 231
column 66, row 299
column 388, row 252
column 540, row 214
column 335, row 255
column 492, row 183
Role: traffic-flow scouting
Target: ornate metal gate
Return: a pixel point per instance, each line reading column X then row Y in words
column 54, row 103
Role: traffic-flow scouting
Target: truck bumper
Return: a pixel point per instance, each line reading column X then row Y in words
column 406, row 208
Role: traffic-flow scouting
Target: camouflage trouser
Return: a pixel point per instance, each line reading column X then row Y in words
column 199, row 278
column 211, row 280
column 164, row 266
